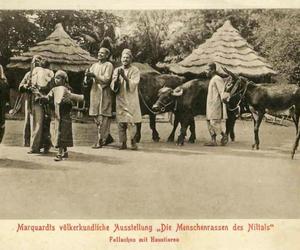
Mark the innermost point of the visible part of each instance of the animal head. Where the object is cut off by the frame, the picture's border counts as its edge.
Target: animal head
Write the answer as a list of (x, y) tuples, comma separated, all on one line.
[(233, 85), (166, 99)]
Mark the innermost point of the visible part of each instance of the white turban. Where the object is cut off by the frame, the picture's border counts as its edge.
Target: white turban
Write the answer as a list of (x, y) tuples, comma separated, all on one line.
[(105, 49), (127, 52)]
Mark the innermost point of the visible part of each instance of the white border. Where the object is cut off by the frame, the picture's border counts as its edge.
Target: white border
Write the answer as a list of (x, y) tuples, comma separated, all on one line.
[(147, 4)]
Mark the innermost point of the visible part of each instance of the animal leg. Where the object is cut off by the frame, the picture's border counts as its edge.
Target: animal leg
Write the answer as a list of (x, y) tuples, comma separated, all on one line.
[(295, 117), (155, 135), (232, 134), (192, 138), (2, 130), (296, 144), (184, 122), (230, 122), (137, 136), (257, 118), (175, 125)]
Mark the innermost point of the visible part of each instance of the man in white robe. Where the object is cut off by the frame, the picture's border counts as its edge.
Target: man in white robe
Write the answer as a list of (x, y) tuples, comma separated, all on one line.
[(101, 97), (125, 84), (215, 108)]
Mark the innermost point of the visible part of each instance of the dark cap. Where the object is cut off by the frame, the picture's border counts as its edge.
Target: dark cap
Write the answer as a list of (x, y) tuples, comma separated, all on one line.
[(212, 66)]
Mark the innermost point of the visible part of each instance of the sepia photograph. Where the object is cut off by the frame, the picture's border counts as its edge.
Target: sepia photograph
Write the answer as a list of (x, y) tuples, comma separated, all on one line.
[(149, 114)]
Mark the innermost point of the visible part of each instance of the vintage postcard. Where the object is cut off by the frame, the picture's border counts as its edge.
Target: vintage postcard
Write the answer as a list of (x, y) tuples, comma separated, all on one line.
[(149, 125)]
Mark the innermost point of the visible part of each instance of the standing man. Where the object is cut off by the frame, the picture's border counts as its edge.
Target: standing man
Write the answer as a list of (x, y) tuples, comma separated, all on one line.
[(3, 100), (215, 108), (38, 78), (24, 88), (125, 84), (101, 97)]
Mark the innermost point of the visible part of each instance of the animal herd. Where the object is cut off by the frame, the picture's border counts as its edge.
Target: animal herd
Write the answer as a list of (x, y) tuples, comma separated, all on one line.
[(159, 93)]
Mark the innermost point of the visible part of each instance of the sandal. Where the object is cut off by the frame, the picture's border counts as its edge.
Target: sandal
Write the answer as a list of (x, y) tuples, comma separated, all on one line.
[(58, 158)]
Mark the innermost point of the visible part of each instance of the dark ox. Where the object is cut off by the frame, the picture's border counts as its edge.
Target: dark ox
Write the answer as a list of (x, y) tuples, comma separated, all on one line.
[(263, 99), (149, 86), (187, 101)]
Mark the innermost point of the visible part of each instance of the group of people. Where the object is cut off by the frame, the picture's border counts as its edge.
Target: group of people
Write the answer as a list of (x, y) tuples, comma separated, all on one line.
[(123, 81), (43, 88)]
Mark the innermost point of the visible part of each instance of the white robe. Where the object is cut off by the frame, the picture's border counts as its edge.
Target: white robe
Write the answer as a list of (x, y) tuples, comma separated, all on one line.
[(100, 96), (127, 100), (215, 108)]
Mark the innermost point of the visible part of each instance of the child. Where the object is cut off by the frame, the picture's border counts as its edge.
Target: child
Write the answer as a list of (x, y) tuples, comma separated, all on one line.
[(62, 98)]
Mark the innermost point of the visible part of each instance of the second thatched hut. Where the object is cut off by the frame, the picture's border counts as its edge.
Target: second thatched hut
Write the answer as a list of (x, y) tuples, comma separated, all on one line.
[(227, 48)]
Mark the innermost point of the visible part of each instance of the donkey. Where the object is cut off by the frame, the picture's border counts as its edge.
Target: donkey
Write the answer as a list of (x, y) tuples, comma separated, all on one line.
[(263, 99)]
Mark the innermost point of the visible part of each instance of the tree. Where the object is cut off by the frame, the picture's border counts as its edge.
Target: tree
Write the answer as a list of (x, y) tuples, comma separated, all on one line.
[(143, 33), (277, 38), (21, 30), (199, 25), (17, 33), (88, 27)]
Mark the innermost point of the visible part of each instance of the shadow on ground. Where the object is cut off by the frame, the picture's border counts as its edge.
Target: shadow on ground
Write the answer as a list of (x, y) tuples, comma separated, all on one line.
[(81, 157), (17, 164)]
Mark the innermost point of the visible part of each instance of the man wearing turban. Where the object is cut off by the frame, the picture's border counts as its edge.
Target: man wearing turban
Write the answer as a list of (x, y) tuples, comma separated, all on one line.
[(125, 84), (101, 97)]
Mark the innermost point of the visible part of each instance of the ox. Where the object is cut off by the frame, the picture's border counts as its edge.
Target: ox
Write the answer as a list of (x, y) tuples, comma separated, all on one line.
[(149, 87), (187, 101)]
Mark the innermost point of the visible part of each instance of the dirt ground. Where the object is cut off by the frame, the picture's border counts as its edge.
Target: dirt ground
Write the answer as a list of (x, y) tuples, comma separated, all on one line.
[(161, 180)]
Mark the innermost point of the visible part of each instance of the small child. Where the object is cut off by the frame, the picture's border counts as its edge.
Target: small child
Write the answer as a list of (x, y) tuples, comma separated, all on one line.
[(62, 97)]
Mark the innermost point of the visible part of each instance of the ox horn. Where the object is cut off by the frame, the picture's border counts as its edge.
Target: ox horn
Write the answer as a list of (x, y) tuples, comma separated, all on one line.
[(177, 92)]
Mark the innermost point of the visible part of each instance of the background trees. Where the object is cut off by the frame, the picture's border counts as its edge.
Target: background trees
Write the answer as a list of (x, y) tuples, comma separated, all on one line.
[(155, 36)]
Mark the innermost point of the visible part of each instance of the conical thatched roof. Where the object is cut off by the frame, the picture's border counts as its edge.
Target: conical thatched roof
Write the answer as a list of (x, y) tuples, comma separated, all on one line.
[(145, 68), (60, 50), (226, 48)]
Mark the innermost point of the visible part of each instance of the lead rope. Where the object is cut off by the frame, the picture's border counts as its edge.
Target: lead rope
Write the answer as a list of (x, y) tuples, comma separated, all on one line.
[(143, 100)]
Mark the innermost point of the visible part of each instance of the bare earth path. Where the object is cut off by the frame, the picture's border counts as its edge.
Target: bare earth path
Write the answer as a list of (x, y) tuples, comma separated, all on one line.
[(160, 180)]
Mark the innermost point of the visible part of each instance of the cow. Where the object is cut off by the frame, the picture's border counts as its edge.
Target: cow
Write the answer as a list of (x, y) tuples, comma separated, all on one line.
[(187, 101)]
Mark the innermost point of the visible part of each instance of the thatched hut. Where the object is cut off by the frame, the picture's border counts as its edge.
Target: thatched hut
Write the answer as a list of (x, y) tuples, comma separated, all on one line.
[(61, 51), (226, 48)]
